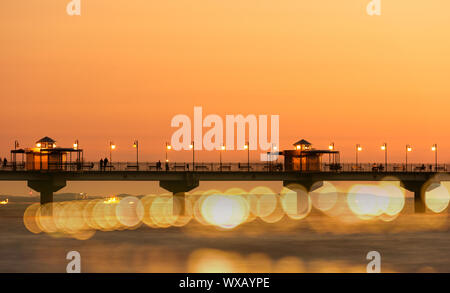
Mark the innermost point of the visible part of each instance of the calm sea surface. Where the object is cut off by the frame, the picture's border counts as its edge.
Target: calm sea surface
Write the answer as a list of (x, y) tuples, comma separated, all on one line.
[(316, 242)]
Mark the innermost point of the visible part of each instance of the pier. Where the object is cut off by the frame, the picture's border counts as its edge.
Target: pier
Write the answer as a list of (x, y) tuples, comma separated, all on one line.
[(178, 179), (47, 169)]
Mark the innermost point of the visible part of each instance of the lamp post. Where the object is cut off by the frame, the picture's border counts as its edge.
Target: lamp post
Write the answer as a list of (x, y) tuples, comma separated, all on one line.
[(75, 147), (112, 147), (247, 147), (384, 148), (192, 146), (434, 148), (16, 145), (357, 150), (299, 148), (168, 148), (222, 148), (408, 149), (136, 145), (331, 148)]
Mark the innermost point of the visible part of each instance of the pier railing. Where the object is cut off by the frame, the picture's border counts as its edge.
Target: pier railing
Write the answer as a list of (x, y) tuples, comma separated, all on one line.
[(227, 167)]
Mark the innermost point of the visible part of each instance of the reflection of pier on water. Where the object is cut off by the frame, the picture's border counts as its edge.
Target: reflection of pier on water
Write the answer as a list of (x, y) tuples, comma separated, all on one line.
[(360, 208)]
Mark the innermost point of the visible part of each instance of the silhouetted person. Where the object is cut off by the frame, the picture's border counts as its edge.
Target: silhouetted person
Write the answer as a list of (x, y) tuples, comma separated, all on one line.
[(5, 162), (187, 166), (374, 167), (101, 164), (158, 166), (167, 166), (105, 163), (431, 167)]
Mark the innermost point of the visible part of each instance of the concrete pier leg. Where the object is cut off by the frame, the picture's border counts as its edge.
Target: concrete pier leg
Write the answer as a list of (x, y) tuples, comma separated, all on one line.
[(180, 199), (46, 196), (46, 188), (419, 201), (309, 185), (179, 189), (303, 200), (419, 188)]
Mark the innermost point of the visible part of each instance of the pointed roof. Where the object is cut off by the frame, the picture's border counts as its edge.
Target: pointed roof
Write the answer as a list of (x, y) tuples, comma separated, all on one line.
[(303, 142), (46, 139)]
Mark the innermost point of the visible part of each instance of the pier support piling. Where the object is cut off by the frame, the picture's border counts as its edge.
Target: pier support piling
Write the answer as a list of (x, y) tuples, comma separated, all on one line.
[(179, 189), (180, 200), (419, 188), (302, 188), (309, 185), (46, 188)]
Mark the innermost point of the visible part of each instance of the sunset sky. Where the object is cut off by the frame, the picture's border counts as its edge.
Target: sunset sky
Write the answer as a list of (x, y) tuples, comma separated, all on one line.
[(124, 68)]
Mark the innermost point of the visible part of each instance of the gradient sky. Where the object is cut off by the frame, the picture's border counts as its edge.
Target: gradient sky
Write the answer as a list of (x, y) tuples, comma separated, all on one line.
[(124, 68)]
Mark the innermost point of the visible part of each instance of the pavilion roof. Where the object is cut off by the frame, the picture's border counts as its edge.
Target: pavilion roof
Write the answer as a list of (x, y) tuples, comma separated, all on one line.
[(46, 139), (302, 142)]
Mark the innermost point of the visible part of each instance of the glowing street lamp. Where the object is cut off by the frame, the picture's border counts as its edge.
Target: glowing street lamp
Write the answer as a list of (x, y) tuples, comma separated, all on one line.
[(136, 145), (192, 147), (16, 145), (384, 148), (247, 147), (331, 148), (434, 148), (408, 150), (38, 145), (222, 148), (75, 147), (112, 147), (358, 149), (168, 148)]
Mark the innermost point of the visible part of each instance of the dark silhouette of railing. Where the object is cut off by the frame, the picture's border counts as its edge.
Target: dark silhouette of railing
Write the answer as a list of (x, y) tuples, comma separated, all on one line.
[(226, 167)]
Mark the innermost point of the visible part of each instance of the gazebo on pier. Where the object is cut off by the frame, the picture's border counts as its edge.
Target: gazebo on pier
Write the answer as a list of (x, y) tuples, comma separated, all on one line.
[(47, 156), (305, 158)]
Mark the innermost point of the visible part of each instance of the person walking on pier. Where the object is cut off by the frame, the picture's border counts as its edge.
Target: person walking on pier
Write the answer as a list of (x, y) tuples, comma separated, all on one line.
[(105, 163), (167, 166), (159, 166), (101, 165), (5, 162)]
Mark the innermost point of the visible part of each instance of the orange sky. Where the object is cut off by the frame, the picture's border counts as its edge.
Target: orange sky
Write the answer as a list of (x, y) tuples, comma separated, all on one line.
[(123, 69)]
